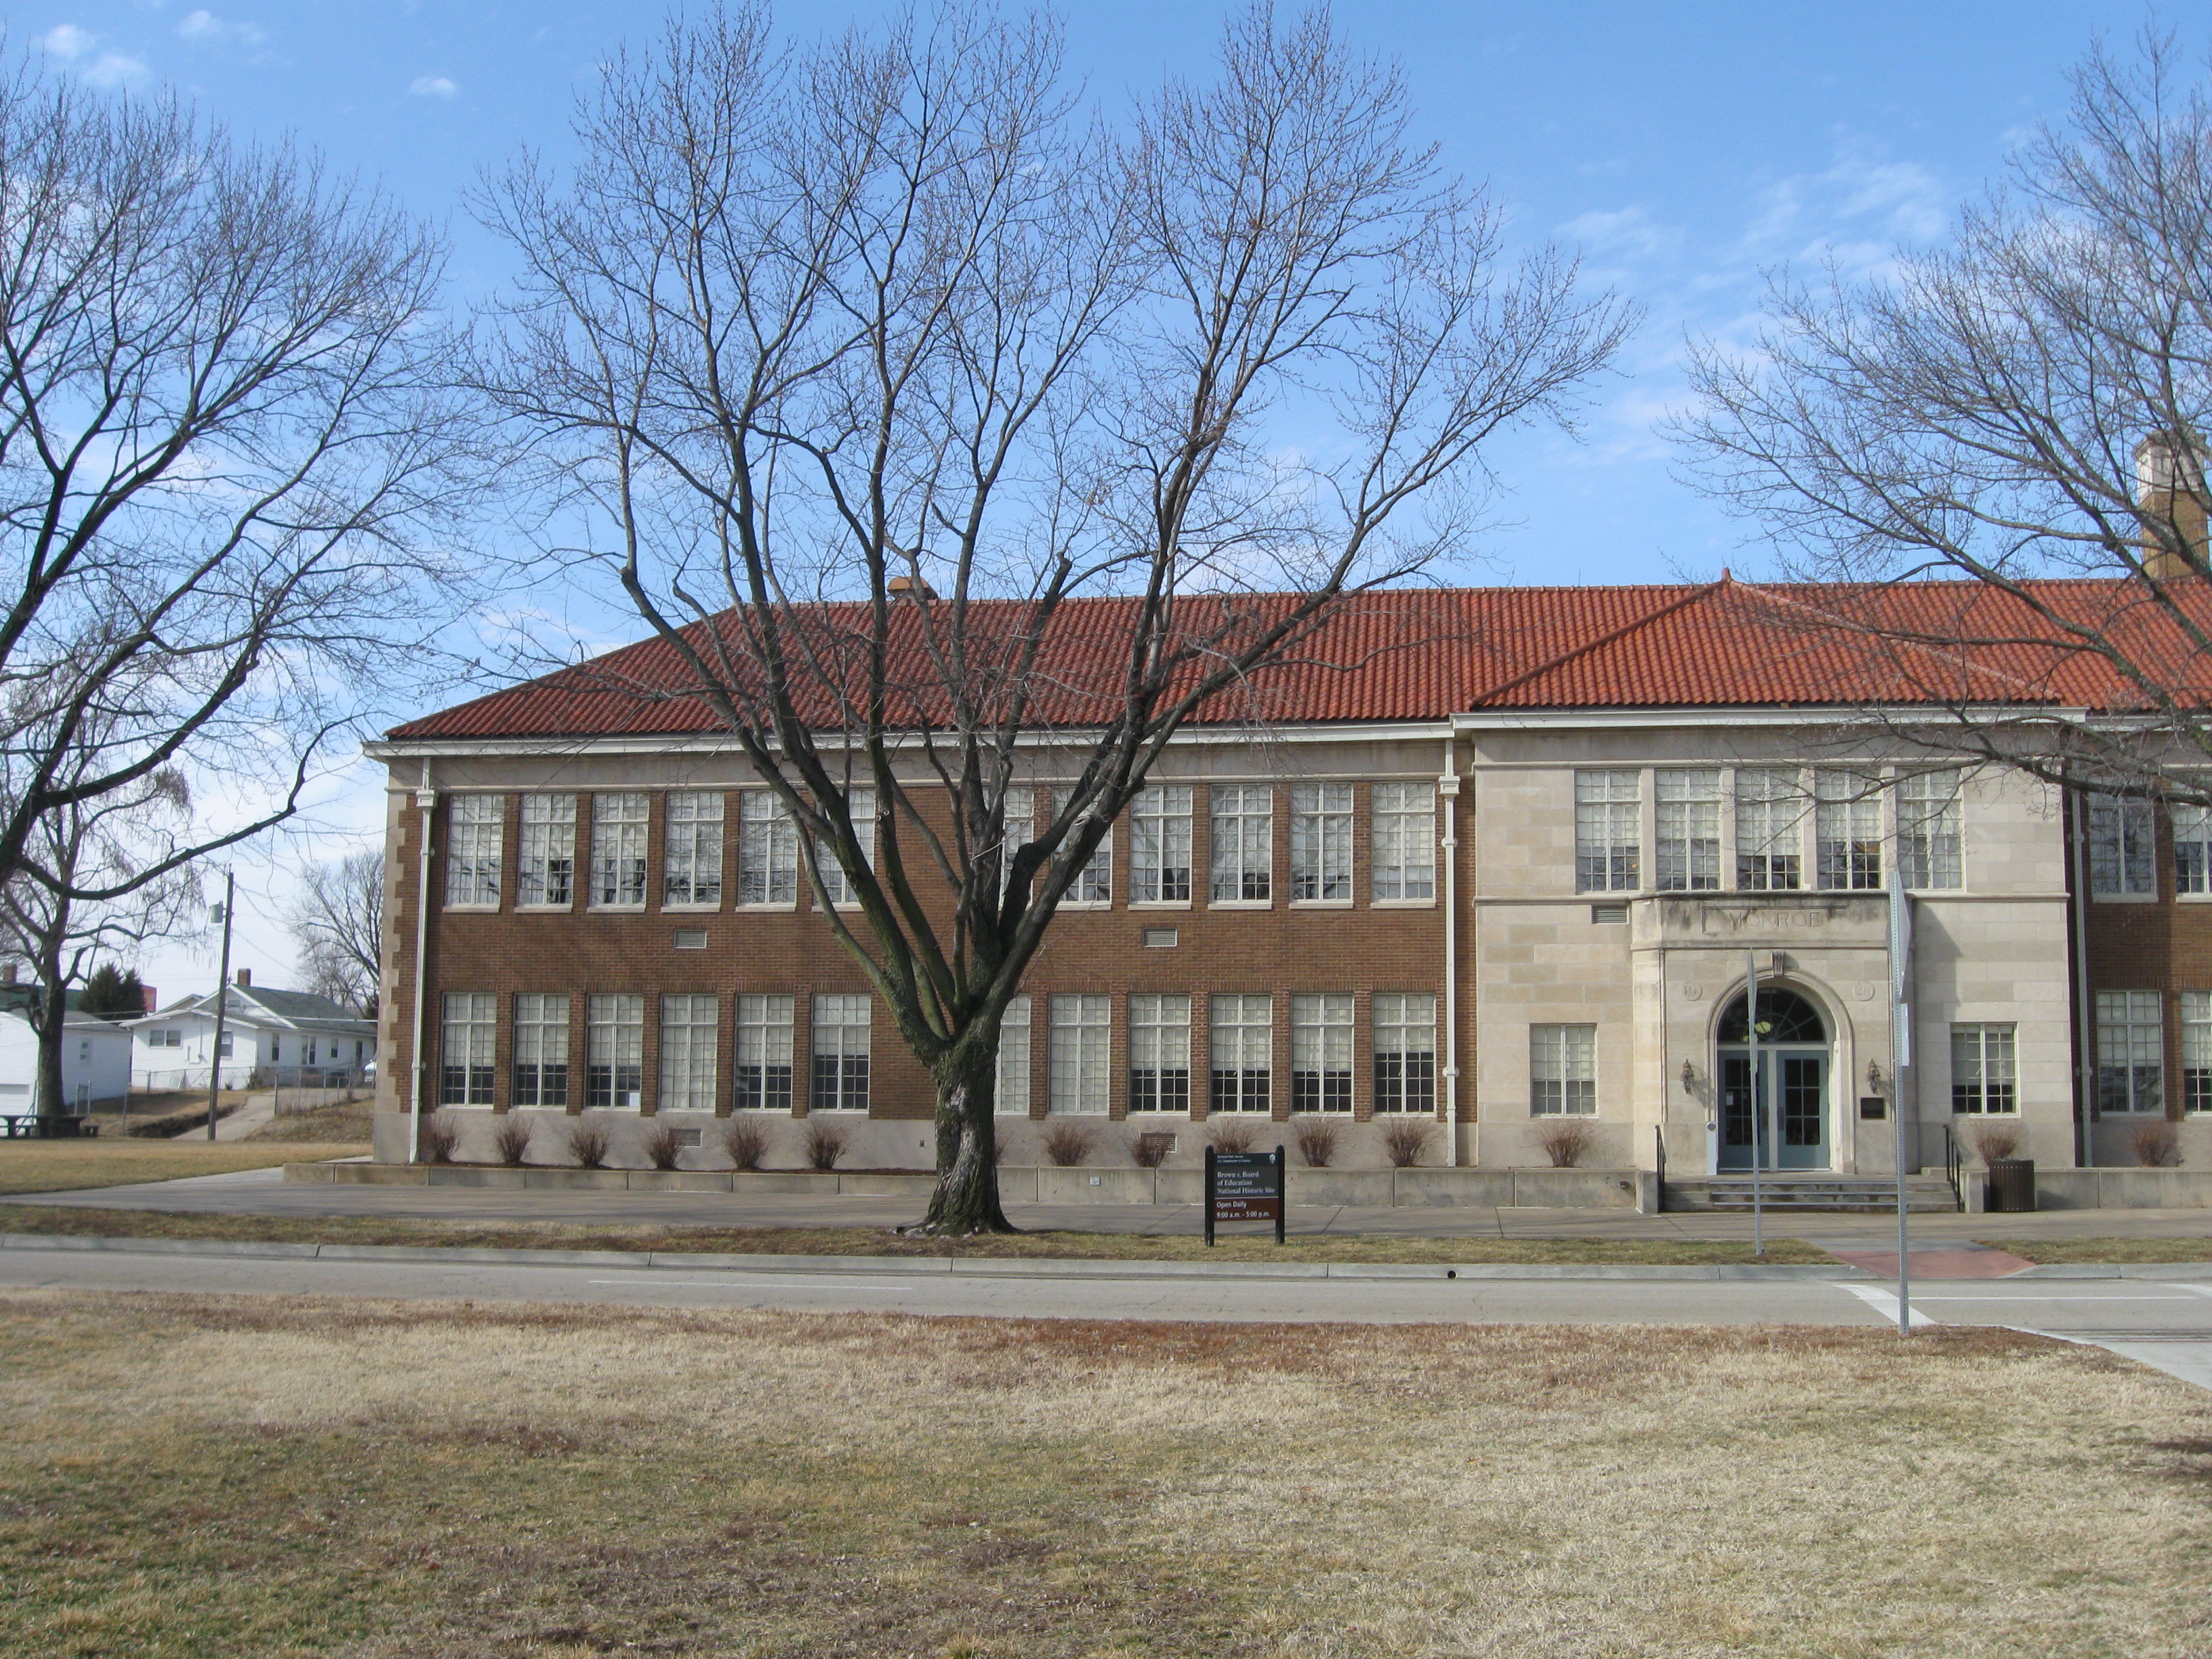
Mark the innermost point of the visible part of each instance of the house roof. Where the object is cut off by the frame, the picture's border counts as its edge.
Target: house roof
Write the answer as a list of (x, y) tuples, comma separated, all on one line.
[(258, 1005), (1429, 654)]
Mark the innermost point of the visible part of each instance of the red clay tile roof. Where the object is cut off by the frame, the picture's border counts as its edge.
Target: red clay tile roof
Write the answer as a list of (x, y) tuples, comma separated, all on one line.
[(1425, 654)]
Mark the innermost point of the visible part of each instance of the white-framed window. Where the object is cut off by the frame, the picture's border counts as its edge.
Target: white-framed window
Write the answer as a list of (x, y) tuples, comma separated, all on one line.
[(474, 825), (691, 857), (1982, 1073), (1406, 1051), (860, 804), (1321, 1051), (767, 849), (1607, 834), (1929, 829), (1082, 1032), (1562, 1071), (1847, 831), (1159, 1052), (1320, 842), (1017, 825), (689, 1024), (614, 1049), (466, 1053), (763, 1056), (2192, 849), (1094, 882), (2120, 842), (1689, 828), (1013, 1068), (618, 822), (1160, 845), (1769, 830), (549, 850), (1402, 847), (2130, 1052), (1243, 1057), (541, 1050), (1243, 844), (842, 1042), (2196, 1051)]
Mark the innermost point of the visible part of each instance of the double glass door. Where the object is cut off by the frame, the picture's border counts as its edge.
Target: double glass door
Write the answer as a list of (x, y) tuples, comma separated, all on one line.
[(1796, 1082)]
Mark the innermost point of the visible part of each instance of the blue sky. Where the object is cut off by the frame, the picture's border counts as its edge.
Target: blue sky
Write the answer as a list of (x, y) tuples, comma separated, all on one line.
[(1686, 147)]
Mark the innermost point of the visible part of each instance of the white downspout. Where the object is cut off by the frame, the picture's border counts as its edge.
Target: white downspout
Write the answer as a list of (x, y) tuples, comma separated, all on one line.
[(1448, 792), (427, 799)]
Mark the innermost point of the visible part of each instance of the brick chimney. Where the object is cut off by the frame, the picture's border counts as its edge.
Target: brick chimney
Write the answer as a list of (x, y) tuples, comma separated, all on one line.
[(153, 1002), (2162, 492), (245, 978)]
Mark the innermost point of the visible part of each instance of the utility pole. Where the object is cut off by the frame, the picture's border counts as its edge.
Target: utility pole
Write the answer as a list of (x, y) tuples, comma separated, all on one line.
[(221, 998), (1757, 1120)]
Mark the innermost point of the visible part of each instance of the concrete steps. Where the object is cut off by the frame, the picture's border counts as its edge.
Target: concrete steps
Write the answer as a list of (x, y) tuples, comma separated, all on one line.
[(1815, 1193)]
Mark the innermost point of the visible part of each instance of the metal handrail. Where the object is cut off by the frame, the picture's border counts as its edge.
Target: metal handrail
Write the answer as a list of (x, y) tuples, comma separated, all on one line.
[(1660, 1134), (1954, 1166)]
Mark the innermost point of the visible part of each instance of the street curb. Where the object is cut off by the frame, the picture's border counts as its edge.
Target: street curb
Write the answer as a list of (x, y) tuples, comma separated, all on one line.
[(981, 1268)]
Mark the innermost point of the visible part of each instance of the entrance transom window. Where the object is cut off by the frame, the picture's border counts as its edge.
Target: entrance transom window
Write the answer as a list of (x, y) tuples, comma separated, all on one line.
[(1783, 1125)]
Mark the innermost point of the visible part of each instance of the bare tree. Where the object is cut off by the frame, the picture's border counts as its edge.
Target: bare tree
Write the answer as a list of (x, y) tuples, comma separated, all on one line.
[(336, 920), (226, 466), (858, 368), (2031, 402)]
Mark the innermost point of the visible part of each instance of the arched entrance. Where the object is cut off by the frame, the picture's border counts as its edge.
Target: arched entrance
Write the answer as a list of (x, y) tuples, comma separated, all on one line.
[(1793, 1077)]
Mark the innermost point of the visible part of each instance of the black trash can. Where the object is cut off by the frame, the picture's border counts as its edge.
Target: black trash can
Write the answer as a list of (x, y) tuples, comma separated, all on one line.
[(2012, 1186)]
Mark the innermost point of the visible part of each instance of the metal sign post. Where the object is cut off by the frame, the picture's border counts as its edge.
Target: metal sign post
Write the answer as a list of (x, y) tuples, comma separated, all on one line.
[(1758, 1117), (221, 1000), (1901, 1056)]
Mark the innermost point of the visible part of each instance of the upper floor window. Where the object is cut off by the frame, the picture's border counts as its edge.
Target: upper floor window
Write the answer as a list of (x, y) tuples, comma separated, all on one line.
[(1094, 882), (1320, 841), (1689, 830), (473, 827), (1769, 818), (768, 850), (836, 881), (549, 850), (691, 858), (2130, 1052), (1982, 1069), (1017, 825), (1403, 850), (2120, 841), (1159, 1052), (1159, 844), (1082, 1029), (2192, 849), (1607, 835), (1847, 830), (1321, 1051), (1244, 843), (1927, 830), (618, 849)]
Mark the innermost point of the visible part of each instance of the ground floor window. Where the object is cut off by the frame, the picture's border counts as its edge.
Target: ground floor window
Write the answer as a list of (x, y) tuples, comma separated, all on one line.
[(1404, 1051), (1159, 1052), (471, 1031), (541, 1050), (841, 1053), (1082, 1028), (1982, 1080), (1013, 1077), (2130, 1052), (2196, 1051), (1321, 1051), (614, 1049), (689, 1028), (1243, 1053), (764, 1058), (1563, 1070)]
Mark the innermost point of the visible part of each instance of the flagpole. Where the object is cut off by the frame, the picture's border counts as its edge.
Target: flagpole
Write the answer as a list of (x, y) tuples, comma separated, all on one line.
[(1757, 1120), (1901, 1056)]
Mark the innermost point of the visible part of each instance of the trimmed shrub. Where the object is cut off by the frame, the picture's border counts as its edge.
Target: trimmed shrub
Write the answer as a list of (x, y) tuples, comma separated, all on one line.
[(511, 1140), (1068, 1144), (662, 1145), (441, 1135), (2155, 1144), (1230, 1136), (825, 1144), (1317, 1144), (589, 1143), (746, 1141), (1405, 1140), (1997, 1141), (1150, 1149), (1567, 1144)]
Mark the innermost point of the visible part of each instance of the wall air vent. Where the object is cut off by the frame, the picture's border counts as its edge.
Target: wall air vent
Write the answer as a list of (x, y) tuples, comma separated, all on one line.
[(1609, 913), (691, 939), (1160, 939)]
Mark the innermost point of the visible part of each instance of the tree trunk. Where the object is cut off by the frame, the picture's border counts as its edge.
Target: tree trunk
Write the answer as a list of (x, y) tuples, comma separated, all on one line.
[(967, 1196), (51, 1020)]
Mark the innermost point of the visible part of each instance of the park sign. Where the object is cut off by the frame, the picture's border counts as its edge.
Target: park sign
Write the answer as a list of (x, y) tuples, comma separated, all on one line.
[(1244, 1187)]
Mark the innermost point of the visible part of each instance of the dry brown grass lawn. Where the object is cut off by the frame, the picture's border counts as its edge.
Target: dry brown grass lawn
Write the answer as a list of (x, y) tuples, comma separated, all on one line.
[(381, 1479), (878, 1240), (346, 1122), (54, 1166), (2108, 1249)]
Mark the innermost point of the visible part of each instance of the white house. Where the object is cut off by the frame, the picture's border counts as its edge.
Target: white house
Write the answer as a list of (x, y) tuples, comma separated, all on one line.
[(263, 1032), (95, 1063)]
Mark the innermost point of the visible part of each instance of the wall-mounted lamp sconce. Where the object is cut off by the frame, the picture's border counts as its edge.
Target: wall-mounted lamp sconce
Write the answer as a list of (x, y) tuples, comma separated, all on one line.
[(1874, 1078), (1689, 1078)]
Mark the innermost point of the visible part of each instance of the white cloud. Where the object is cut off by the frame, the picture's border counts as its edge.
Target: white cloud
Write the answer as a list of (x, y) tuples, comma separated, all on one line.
[(1629, 232), (112, 68), (68, 42), (206, 25), (433, 86)]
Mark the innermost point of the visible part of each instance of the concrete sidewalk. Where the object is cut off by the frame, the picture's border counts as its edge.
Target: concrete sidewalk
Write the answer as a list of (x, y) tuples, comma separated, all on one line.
[(265, 1192)]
